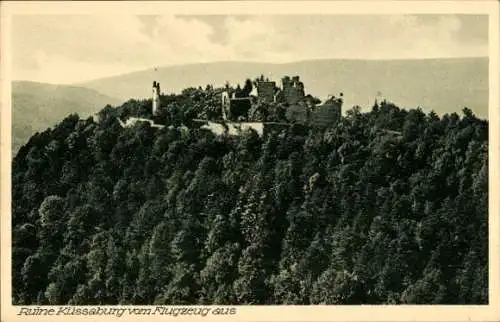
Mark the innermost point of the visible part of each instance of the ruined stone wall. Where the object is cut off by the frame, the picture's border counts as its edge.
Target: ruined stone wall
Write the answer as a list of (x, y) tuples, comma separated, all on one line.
[(326, 114), (293, 95), (265, 90), (293, 90)]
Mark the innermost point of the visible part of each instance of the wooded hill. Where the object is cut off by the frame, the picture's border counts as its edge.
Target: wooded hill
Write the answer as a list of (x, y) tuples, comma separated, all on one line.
[(387, 206), (37, 106)]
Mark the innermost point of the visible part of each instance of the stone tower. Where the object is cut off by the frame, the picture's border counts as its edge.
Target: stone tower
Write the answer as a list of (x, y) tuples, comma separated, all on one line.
[(226, 105), (156, 97)]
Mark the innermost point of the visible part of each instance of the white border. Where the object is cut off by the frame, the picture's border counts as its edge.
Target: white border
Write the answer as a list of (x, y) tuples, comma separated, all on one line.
[(274, 313)]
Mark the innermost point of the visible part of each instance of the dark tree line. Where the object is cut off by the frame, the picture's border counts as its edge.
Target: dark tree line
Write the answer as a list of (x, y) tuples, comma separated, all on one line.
[(388, 206)]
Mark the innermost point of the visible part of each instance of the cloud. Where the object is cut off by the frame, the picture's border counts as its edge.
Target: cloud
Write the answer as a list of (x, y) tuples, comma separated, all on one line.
[(362, 37), (181, 41), (64, 48), (59, 69)]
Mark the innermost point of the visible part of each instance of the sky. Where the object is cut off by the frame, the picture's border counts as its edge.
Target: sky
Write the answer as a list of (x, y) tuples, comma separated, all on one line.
[(63, 49)]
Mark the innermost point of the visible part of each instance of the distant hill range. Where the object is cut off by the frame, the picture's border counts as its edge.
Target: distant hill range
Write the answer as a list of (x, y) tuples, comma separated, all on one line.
[(38, 106), (443, 85)]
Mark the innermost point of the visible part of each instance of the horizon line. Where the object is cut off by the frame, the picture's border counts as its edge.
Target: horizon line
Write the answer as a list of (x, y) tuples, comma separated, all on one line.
[(79, 83)]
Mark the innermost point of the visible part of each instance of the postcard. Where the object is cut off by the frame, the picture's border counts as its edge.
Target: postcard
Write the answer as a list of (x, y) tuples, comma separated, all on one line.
[(250, 160)]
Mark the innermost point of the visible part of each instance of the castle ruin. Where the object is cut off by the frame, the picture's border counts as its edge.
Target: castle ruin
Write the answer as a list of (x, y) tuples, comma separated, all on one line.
[(298, 106), (239, 105)]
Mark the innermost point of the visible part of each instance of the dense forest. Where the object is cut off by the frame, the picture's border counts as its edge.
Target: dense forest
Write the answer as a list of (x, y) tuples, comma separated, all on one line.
[(388, 206)]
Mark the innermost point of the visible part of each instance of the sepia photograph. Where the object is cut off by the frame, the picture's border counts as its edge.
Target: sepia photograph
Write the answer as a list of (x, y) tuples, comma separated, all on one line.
[(260, 158)]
